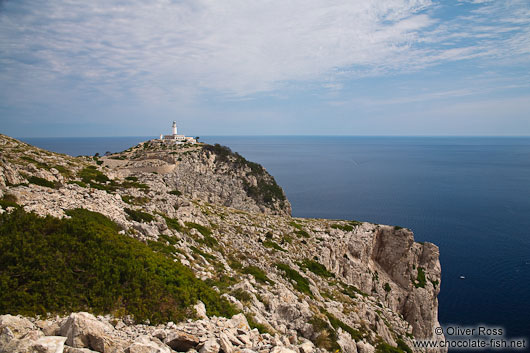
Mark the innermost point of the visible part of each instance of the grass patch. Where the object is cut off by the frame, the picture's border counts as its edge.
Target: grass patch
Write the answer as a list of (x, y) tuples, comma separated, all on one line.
[(173, 224), (241, 295), (255, 325), (327, 336), (91, 267), (352, 291), (79, 183), (300, 283), (316, 267), (41, 181), (273, 245), (206, 232), (91, 174), (343, 227), (139, 216), (336, 323), (384, 347), (258, 274)]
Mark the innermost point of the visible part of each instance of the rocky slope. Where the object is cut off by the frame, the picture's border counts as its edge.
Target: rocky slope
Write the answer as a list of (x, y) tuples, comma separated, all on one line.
[(344, 285)]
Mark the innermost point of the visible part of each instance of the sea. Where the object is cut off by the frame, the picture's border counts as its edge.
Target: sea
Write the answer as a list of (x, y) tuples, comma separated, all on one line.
[(468, 195)]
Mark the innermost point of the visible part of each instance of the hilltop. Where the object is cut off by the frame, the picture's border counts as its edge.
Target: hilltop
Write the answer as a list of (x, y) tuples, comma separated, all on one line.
[(206, 227)]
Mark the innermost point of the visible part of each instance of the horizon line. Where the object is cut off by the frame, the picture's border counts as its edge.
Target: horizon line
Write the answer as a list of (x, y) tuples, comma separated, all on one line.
[(275, 135)]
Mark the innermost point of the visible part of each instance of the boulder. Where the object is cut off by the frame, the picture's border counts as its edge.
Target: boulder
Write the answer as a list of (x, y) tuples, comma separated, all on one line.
[(181, 341), (239, 321), (83, 330), (307, 347), (18, 325), (50, 344), (146, 344), (210, 346), (225, 343), (200, 309)]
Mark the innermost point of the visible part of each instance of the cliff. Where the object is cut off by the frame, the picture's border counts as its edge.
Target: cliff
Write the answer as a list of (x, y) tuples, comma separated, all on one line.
[(306, 284)]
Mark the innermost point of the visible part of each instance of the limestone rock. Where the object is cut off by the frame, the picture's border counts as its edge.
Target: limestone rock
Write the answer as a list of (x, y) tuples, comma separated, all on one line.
[(50, 344), (181, 341), (18, 325), (146, 344), (210, 346), (83, 330)]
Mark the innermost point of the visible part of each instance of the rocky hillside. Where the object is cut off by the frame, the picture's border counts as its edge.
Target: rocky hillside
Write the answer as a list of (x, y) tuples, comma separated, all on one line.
[(305, 284)]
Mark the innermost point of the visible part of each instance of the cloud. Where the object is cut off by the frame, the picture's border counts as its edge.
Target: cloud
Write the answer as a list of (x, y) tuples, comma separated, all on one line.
[(179, 49)]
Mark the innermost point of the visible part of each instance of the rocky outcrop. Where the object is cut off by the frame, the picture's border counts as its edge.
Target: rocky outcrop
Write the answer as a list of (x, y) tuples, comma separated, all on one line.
[(210, 173), (307, 284)]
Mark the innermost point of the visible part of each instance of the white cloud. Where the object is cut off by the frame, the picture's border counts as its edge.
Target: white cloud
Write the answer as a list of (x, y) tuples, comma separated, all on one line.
[(165, 48)]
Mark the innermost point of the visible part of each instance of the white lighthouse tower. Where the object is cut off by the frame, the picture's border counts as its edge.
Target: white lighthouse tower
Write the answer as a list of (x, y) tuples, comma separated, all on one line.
[(174, 128)]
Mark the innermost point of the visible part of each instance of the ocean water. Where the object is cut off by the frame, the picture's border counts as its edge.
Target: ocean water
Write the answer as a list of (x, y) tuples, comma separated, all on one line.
[(468, 195)]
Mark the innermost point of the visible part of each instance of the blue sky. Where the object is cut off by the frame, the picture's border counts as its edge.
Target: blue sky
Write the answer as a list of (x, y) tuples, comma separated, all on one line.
[(239, 67)]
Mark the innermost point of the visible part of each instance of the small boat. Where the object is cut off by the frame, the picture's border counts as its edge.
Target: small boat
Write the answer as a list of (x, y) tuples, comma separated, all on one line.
[(462, 277)]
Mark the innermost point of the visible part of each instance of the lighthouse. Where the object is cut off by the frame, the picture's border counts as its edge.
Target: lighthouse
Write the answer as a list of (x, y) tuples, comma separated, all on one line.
[(174, 138)]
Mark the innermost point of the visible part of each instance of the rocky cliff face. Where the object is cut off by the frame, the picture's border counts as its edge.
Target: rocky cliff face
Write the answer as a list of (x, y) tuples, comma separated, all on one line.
[(345, 285)]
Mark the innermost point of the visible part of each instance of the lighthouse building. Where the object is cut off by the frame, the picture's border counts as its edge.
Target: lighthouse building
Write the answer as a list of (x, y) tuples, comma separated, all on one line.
[(175, 138)]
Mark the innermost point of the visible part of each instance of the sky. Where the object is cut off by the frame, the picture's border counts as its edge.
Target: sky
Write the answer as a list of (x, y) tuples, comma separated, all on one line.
[(264, 67)]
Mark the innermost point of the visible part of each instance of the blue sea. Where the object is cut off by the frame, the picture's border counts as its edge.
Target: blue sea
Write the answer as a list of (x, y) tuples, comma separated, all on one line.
[(468, 195)]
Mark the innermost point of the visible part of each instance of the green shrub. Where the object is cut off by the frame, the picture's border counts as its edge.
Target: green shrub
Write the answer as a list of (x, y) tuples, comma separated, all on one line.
[(336, 323), (273, 245), (202, 229), (173, 224), (242, 295), (387, 287), (258, 274), (40, 181), (403, 346), (254, 325), (343, 227), (9, 201), (316, 267), (77, 182), (300, 283), (50, 265), (326, 337), (206, 232), (351, 291), (420, 279), (90, 174), (384, 347), (139, 216)]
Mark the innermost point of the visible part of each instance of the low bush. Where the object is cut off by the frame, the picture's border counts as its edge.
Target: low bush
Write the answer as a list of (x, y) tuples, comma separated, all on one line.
[(421, 281), (300, 283), (316, 267), (139, 216), (50, 265), (40, 181), (258, 274), (273, 245)]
